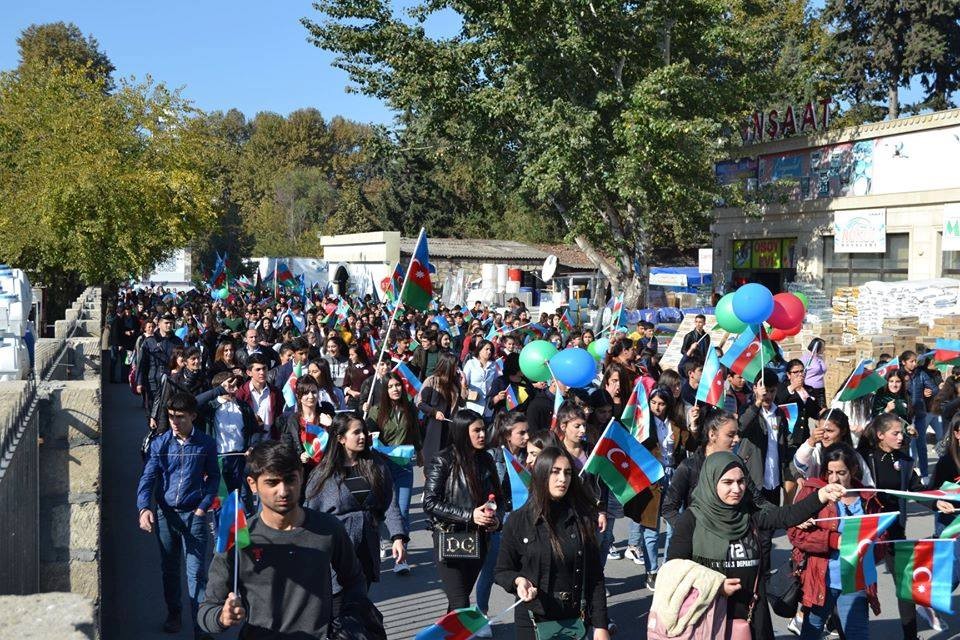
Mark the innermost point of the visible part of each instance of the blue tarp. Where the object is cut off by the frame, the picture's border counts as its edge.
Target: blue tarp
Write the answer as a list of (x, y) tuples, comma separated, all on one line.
[(694, 277)]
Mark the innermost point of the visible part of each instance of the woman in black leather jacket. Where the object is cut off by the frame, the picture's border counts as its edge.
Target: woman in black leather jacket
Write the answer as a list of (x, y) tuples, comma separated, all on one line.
[(458, 482)]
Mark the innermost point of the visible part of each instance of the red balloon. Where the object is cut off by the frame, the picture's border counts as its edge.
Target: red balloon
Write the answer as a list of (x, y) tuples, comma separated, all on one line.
[(788, 311), (776, 334), (792, 331)]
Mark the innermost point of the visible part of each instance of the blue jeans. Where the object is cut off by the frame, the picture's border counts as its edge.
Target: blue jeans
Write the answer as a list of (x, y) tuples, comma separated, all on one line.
[(651, 535), (606, 541), (485, 581), (179, 533), (402, 487), (851, 609)]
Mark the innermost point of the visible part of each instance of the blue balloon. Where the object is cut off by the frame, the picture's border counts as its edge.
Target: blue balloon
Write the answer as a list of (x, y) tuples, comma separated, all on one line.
[(603, 345), (753, 303), (574, 367)]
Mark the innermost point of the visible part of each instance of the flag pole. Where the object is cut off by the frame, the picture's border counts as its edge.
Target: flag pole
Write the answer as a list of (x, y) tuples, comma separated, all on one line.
[(236, 545), (837, 395), (275, 291), (760, 338), (393, 317), (593, 453)]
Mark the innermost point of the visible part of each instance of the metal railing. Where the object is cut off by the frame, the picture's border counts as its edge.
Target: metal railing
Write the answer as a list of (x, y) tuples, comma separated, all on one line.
[(20, 487)]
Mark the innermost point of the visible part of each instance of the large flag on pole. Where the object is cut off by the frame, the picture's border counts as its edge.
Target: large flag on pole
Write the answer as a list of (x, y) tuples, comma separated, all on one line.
[(947, 351), (417, 291), (623, 463)]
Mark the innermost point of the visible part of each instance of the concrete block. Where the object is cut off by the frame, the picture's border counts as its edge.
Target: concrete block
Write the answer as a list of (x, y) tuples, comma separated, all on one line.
[(55, 576), (75, 412), (89, 328), (69, 470), (62, 328), (44, 616), (75, 526), (71, 315), (85, 358)]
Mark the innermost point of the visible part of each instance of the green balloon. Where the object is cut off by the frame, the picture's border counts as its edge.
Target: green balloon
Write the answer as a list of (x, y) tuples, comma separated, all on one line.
[(803, 299), (592, 350), (534, 359), (726, 318)]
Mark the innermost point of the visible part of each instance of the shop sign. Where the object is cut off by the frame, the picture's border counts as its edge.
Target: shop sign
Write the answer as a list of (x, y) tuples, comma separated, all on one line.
[(766, 254), (741, 254), (705, 262), (668, 279), (784, 122), (860, 231), (951, 227)]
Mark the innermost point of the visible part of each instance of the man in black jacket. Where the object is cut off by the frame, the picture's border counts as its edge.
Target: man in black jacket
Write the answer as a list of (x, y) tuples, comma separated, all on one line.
[(696, 342), (155, 359)]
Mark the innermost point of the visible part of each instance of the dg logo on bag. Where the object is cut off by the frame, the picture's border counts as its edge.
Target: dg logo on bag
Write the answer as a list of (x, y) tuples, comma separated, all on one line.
[(464, 545)]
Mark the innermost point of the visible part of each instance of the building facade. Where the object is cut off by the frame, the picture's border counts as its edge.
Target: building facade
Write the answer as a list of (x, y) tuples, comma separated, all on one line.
[(876, 202)]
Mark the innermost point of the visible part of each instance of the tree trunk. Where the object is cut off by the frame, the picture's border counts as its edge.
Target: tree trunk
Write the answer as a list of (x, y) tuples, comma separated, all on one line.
[(893, 102)]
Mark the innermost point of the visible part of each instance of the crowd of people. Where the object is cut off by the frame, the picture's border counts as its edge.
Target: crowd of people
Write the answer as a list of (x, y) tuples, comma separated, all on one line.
[(212, 377)]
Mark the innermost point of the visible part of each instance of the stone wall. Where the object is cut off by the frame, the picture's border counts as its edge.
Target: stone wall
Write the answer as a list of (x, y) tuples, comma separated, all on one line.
[(65, 471)]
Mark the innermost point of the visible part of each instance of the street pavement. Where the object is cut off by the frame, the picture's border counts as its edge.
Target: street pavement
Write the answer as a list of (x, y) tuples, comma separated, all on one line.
[(133, 608)]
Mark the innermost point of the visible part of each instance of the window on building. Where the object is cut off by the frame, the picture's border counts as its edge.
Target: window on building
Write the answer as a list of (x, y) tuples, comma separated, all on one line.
[(854, 269), (950, 266)]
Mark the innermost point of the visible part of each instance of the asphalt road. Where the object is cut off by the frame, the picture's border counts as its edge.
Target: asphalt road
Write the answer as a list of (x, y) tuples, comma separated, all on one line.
[(133, 608)]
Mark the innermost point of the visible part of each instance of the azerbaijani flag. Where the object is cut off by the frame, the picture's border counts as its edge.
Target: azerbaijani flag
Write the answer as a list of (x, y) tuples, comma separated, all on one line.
[(446, 327), (182, 332), (885, 369), (861, 382), (459, 624), (467, 316), (492, 333), (636, 413), (511, 399), (792, 413), (519, 479), (411, 383), (711, 389), (222, 492), (565, 324), (857, 535), (623, 463), (396, 283), (315, 441), (617, 312), (233, 525), (952, 530), (923, 572), (948, 491), (947, 351), (498, 366), (285, 277), (557, 403), (417, 292), (290, 386), (748, 353), (400, 454)]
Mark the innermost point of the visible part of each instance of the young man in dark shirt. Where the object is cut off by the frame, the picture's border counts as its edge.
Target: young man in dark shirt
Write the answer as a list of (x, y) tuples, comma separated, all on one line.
[(284, 579)]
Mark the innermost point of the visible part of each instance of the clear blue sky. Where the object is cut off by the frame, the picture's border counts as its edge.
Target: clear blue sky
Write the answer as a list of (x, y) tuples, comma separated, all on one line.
[(248, 54)]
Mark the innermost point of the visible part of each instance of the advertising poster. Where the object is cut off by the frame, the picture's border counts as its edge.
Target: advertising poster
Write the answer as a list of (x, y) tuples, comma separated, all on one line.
[(860, 231)]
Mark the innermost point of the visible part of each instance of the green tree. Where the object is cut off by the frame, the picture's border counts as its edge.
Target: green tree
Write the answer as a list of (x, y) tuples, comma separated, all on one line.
[(609, 112), (934, 50), (58, 45), (102, 186)]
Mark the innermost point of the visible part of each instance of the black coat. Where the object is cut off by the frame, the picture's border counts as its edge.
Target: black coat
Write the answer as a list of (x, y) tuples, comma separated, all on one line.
[(525, 551), (154, 359), (446, 496), (754, 441), (766, 518), (808, 410)]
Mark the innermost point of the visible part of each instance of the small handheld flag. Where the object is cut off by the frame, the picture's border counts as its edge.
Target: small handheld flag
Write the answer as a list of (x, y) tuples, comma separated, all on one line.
[(748, 353), (411, 383), (417, 290), (290, 386), (792, 413), (222, 492), (710, 389), (636, 413), (923, 572), (400, 454), (557, 403), (861, 382), (947, 351), (857, 568), (233, 525), (315, 441), (519, 479), (459, 624), (511, 399), (623, 463)]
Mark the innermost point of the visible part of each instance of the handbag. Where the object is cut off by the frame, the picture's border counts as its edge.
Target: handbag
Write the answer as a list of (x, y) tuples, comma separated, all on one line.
[(567, 628), (784, 590), (460, 545)]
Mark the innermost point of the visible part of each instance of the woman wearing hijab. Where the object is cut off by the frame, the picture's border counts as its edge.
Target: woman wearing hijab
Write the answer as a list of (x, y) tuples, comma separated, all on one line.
[(719, 531)]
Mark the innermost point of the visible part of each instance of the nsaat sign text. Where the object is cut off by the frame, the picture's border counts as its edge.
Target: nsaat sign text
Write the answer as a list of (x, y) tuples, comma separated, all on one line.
[(789, 121)]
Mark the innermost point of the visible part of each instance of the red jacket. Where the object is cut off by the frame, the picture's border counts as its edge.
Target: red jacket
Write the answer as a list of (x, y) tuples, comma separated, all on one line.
[(815, 545)]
